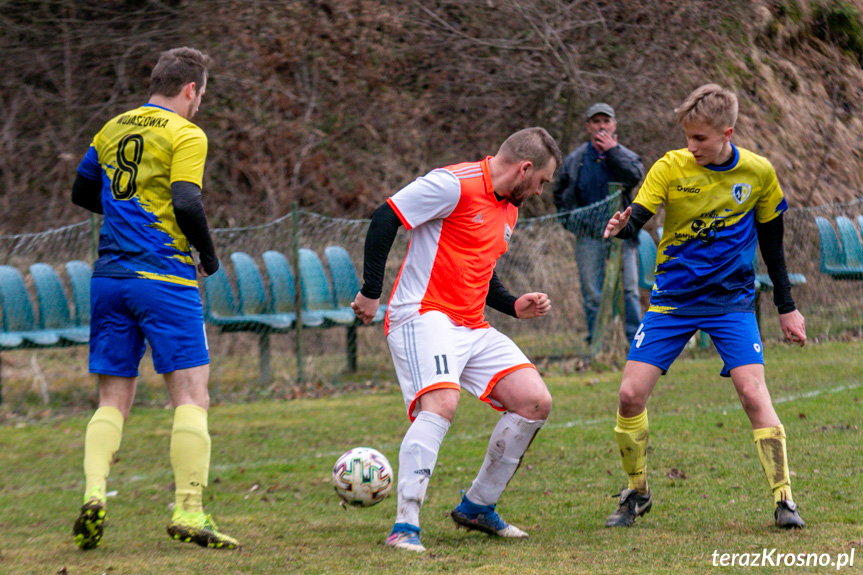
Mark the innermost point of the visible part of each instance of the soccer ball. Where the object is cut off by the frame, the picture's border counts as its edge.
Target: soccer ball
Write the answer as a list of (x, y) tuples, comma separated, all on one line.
[(362, 477)]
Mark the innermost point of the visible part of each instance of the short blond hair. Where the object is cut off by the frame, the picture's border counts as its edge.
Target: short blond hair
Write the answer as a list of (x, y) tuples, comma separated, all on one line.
[(710, 104)]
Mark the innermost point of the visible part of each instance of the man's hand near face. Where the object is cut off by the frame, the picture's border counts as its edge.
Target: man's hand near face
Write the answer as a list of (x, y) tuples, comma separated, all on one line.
[(603, 141)]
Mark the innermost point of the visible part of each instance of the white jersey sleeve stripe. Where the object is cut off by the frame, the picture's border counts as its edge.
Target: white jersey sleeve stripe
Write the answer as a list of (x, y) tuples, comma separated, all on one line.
[(433, 196), (469, 172)]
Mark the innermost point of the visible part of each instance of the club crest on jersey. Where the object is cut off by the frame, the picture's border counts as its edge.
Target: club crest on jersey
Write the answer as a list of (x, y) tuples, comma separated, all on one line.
[(507, 233), (741, 192)]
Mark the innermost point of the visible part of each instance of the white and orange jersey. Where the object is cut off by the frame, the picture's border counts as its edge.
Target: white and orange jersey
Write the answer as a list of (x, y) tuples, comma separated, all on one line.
[(459, 229)]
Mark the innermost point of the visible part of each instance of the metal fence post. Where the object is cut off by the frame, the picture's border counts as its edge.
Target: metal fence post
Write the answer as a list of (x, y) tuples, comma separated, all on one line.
[(295, 219), (94, 237)]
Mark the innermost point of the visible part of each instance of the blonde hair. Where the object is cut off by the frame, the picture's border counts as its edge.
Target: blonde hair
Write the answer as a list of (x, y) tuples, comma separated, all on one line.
[(710, 104)]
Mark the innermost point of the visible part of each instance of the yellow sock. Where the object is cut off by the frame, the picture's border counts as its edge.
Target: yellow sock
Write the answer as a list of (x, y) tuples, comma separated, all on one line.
[(631, 435), (101, 443), (770, 443), (190, 457)]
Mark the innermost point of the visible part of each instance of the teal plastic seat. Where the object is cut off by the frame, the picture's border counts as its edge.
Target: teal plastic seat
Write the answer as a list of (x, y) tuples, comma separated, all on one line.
[(18, 319), (283, 288), (253, 296), (833, 258), (219, 302), (221, 307), (250, 286), (54, 306), (646, 260), (346, 284), (80, 273), (317, 296), (850, 242)]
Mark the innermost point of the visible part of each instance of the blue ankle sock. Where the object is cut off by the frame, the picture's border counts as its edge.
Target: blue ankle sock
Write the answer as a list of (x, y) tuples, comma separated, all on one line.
[(468, 507), (405, 527)]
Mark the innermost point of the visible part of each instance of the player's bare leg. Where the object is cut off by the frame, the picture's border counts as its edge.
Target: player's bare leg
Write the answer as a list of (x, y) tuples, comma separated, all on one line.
[(631, 431), (528, 403), (769, 437)]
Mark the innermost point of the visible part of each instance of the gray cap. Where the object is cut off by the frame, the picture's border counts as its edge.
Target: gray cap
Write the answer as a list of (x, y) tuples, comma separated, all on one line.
[(599, 109)]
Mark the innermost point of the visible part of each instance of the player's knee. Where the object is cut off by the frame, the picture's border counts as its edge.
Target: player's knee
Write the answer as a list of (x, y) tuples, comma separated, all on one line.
[(443, 402), (204, 402), (632, 398), (752, 399), (753, 393), (542, 406), (536, 408)]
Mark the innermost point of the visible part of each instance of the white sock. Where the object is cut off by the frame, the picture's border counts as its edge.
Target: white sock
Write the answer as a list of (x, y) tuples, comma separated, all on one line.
[(509, 441), (417, 458)]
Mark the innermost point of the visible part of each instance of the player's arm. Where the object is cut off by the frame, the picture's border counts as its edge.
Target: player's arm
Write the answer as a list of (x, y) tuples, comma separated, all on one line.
[(192, 221), (87, 193), (382, 232), (529, 305), (770, 239), (87, 188), (626, 225), (499, 298)]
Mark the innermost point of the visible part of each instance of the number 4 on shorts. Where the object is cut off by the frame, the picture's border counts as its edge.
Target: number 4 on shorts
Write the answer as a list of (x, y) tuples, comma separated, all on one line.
[(639, 336)]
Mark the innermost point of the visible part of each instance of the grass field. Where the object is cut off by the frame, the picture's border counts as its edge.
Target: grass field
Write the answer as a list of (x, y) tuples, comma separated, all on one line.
[(270, 482)]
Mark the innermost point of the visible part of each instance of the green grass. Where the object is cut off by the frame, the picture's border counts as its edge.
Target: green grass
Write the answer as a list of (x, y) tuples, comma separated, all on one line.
[(270, 481)]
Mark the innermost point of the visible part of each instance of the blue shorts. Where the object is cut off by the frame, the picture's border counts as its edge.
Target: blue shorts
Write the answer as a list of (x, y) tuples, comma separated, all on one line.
[(661, 337), (124, 312)]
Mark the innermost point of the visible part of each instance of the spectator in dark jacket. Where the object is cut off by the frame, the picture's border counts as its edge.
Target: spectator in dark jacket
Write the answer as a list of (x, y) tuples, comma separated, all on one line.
[(582, 181)]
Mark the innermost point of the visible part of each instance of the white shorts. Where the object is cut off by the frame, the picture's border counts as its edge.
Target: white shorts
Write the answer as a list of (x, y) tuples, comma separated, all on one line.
[(433, 352)]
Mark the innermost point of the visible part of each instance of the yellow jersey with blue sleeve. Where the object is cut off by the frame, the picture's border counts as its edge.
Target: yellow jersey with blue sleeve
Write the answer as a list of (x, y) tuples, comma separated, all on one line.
[(137, 156), (705, 256)]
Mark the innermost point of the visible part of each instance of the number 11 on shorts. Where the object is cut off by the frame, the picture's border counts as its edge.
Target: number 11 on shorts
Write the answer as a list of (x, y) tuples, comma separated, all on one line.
[(437, 362)]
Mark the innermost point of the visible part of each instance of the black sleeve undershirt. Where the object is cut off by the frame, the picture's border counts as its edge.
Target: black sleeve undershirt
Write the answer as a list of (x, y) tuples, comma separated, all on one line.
[(379, 240), (499, 297), (87, 193), (382, 232), (192, 221), (637, 219), (770, 236)]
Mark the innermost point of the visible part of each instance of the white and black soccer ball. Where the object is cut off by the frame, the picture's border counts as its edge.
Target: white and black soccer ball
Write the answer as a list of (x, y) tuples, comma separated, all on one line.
[(362, 477)]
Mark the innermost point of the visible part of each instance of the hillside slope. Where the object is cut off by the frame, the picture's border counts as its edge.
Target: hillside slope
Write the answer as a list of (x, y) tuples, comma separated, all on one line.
[(336, 104)]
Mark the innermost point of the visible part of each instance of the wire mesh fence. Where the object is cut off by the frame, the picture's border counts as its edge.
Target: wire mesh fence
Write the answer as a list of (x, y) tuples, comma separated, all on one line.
[(540, 258)]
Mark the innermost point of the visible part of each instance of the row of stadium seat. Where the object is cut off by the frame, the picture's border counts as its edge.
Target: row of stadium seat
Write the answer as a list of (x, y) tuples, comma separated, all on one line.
[(842, 255), (259, 307), (270, 307), (58, 324)]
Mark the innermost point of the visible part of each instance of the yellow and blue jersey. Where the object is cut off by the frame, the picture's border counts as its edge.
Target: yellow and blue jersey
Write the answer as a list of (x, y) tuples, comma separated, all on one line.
[(704, 260), (137, 156)]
